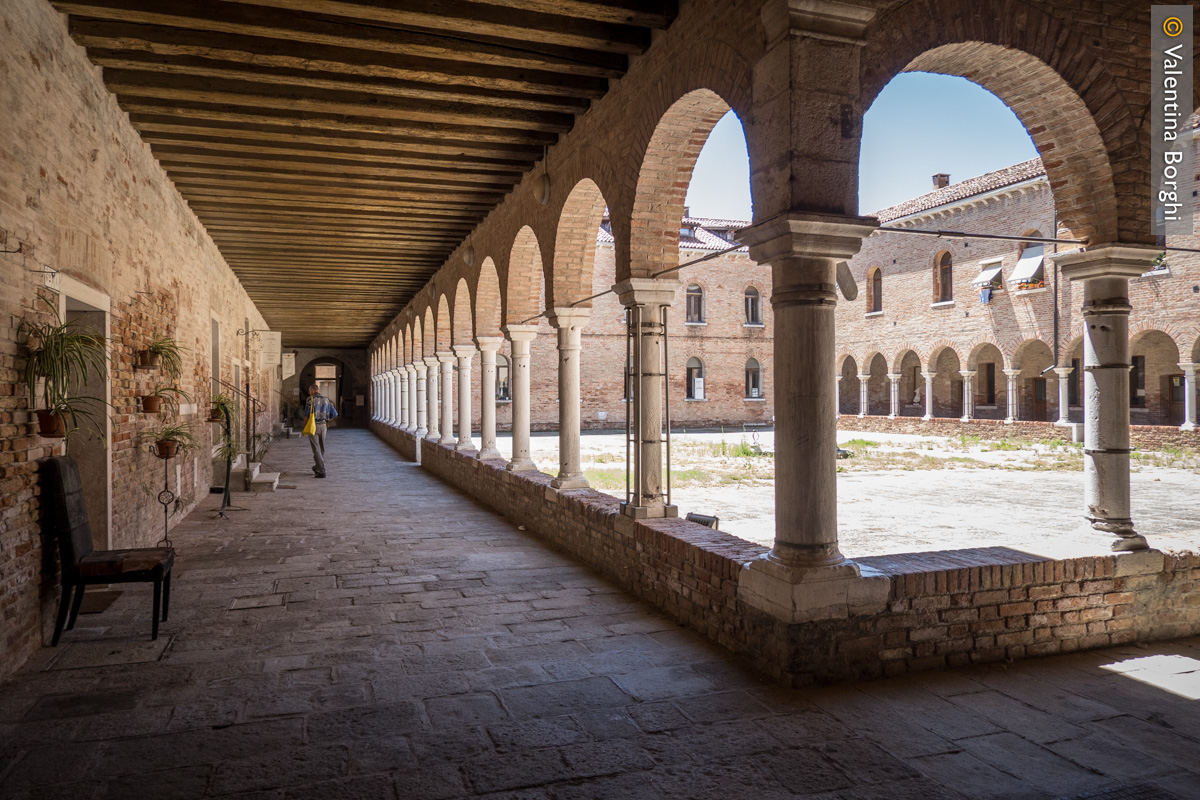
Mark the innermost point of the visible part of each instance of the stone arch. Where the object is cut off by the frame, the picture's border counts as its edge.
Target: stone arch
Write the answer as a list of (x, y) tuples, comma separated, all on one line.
[(575, 245), (1055, 83), (848, 393), (662, 183), (461, 315), (445, 326), (523, 287), (487, 300)]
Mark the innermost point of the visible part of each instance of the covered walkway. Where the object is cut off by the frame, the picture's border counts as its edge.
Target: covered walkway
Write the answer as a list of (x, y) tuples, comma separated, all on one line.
[(379, 635)]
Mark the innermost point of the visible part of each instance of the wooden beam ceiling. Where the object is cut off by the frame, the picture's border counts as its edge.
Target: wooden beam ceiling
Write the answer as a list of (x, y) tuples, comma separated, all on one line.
[(337, 151)]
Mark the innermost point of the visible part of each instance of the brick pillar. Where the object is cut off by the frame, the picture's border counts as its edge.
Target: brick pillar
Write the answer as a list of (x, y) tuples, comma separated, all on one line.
[(488, 346), (864, 395), (1189, 396), (928, 376), (894, 381), (464, 353), (1014, 395), (645, 298), (520, 337), (1064, 394), (447, 397), (1105, 272), (570, 323), (421, 399), (968, 376), (432, 418)]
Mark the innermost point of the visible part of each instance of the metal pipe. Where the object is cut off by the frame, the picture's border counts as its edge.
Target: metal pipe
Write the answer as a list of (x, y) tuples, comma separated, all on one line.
[(625, 368), (964, 235), (667, 396)]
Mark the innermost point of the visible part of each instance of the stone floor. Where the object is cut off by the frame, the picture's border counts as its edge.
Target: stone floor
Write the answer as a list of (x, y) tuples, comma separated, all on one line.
[(377, 635)]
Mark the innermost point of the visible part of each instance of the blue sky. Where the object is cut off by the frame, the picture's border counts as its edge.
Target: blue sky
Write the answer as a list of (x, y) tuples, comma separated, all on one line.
[(920, 124)]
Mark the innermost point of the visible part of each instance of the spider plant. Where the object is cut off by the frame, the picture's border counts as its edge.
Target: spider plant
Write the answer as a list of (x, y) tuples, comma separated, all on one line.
[(170, 439), (153, 400), (62, 355), (163, 351), (220, 402)]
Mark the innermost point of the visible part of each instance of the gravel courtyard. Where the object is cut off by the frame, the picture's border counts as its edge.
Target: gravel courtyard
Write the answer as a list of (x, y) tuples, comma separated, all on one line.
[(902, 493)]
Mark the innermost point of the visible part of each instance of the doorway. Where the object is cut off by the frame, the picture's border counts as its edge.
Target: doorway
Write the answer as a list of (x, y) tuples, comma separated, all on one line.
[(1039, 399)]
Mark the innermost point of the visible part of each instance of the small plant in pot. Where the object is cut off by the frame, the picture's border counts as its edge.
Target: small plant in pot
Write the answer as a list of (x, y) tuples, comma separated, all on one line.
[(164, 352), (152, 401), (62, 356), (220, 402), (170, 440)]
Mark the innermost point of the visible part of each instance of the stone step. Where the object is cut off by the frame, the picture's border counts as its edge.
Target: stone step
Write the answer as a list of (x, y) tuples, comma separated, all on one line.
[(265, 482)]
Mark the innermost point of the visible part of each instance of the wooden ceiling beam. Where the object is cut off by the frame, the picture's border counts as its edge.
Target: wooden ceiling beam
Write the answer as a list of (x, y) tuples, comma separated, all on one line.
[(329, 193), (655, 14), (359, 179)]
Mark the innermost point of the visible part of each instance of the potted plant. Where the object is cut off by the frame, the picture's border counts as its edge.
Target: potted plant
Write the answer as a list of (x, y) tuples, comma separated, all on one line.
[(169, 440), (220, 402), (162, 351), (62, 355), (152, 402)]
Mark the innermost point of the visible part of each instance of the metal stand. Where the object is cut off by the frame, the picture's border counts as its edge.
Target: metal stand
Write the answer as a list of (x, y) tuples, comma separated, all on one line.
[(166, 497), (228, 469)]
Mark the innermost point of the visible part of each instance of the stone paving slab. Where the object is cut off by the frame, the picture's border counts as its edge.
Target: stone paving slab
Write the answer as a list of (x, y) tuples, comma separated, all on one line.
[(378, 635)]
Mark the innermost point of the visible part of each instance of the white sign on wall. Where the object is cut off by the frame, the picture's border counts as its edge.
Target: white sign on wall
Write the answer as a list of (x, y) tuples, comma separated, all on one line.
[(289, 365), (272, 347)]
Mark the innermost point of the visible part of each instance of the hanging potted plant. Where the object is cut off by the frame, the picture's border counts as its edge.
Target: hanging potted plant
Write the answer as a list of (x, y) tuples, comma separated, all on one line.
[(220, 402), (152, 402), (162, 351), (62, 355), (170, 440)]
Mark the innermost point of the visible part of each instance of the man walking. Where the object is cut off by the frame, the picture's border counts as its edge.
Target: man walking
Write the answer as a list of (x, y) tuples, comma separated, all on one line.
[(319, 406)]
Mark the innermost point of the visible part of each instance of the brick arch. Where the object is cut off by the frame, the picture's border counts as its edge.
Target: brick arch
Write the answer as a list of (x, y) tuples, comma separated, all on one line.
[(841, 362), (523, 280), (429, 329), (898, 359), (445, 326), (417, 345), (575, 245), (1195, 348), (461, 314), (1029, 350), (662, 183), (935, 354), (1139, 331), (1040, 67), (868, 358), (487, 300), (979, 348)]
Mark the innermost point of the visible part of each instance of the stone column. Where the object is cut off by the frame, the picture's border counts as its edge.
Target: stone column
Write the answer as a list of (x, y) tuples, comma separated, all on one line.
[(397, 384), (968, 376), (570, 323), (864, 395), (432, 420), (928, 376), (1064, 394), (1014, 396), (520, 336), (488, 346), (414, 404), (447, 397), (894, 380), (387, 397), (421, 399), (837, 394), (1189, 396), (1105, 271), (648, 297), (464, 353), (374, 396), (402, 422), (803, 250)]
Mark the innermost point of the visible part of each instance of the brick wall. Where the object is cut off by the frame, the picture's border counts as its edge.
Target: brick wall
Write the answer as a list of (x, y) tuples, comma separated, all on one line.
[(944, 609), (81, 192)]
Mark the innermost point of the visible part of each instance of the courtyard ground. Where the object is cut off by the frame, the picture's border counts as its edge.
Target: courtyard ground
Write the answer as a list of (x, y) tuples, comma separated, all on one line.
[(378, 636), (900, 493)]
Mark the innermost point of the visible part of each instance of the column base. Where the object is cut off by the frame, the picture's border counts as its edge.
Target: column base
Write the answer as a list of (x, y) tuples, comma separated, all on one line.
[(489, 454), (570, 482), (450, 441), (964, 419), (1127, 538), (1188, 426), (524, 465), (804, 594), (650, 512), (464, 446), (420, 433), (926, 418)]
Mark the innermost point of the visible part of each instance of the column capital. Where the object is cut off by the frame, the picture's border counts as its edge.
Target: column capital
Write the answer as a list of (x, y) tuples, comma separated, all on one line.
[(410, 368), (967, 373), (464, 350), (928, 375), (520, 333), (1189, 369), (419, 368), (893, 377), (803, 233), (430, 361), (1012, 373), (1062, 372), (1106, 261), (647, 291), (445, 356), (569, 317), (489, 344)]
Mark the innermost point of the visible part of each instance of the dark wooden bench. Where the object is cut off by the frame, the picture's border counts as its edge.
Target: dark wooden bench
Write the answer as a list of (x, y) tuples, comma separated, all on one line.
[(64, 516)]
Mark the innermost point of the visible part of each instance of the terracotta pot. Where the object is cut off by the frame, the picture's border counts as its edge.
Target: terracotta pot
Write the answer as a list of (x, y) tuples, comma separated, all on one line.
[(215, 414), (166, 448), (151, 403), (147, 358), (51, 425)]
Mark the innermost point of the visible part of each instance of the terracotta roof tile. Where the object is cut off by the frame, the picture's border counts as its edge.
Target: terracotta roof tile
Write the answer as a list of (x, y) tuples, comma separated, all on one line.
[(964, 189)]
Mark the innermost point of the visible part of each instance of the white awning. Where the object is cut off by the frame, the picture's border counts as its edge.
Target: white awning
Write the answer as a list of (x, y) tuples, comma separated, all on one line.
[(987, 275), (1030, 265)]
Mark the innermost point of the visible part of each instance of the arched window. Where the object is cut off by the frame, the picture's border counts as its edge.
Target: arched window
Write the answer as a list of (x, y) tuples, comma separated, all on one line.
[(502, 382), (754, 387), (875, 291), (943, 279), (753, 306), (695, 303), (695, 379)]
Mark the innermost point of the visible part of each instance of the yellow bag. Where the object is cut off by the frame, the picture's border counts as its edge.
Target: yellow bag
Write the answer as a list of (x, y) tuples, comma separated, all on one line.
[(310, 427)]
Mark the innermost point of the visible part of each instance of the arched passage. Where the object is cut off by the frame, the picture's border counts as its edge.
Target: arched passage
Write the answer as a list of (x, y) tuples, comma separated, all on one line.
[(947, 383), (879, 390), (575, 245), (1037, 398), (848, 392), (990, 383), (487, 300), (523, 292), (461, 315), (445, 326), (1156, 382), (912, 386)]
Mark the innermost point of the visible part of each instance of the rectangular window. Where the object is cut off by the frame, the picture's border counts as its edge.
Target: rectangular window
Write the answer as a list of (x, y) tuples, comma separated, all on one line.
[(1137, 383), (1074, 383), (989, 384)]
